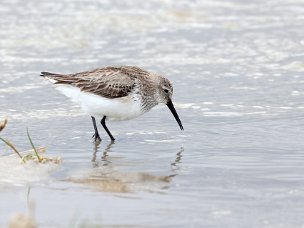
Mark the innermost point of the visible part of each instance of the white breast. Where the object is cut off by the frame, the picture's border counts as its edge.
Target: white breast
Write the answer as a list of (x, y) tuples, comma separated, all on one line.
[(123, 108)]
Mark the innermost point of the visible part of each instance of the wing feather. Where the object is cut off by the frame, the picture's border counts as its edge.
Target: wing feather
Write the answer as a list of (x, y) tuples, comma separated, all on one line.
[(109, 82)]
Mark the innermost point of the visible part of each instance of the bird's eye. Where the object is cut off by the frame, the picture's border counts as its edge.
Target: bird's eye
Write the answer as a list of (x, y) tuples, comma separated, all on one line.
[(166, 91)]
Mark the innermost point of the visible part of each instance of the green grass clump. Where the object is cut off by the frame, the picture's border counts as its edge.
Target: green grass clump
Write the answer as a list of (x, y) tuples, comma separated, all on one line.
[(34, 154)]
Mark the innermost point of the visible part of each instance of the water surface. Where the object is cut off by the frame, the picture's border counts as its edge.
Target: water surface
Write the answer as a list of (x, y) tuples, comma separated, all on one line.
[(237, 69)]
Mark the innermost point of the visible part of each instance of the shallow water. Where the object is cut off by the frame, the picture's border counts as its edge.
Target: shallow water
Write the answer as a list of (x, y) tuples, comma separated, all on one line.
[(237, 69)]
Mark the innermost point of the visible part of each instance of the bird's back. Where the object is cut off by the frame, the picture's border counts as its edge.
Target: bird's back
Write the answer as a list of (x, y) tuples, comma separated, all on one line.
[(109, 82)]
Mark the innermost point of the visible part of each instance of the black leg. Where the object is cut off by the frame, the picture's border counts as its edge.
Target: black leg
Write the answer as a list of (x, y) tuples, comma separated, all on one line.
[(96, 134), (103, 123)]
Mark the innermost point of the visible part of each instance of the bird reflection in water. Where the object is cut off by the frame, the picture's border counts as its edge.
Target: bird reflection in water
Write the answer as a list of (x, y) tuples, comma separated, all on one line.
[(106, 178), (175, 165), (104, 157)]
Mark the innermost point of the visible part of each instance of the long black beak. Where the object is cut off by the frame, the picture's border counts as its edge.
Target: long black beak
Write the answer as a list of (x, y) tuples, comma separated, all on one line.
[(172, 109)]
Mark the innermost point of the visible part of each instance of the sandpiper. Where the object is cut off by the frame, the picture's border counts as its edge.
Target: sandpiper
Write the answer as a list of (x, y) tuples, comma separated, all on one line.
[(115, 93)]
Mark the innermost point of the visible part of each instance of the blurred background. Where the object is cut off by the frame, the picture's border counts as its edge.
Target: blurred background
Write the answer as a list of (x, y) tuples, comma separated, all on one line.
[(237, 70)]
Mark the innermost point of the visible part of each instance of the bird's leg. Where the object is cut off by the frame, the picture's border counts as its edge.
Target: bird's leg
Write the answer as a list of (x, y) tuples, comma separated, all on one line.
[(103, 123), (96, 134)]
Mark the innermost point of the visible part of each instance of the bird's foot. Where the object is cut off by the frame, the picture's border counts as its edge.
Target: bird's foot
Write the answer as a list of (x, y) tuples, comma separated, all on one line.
[(96, 138)]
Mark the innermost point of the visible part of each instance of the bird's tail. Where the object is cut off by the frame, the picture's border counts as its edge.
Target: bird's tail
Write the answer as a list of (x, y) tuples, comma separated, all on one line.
[(52, 77), (48, 74)]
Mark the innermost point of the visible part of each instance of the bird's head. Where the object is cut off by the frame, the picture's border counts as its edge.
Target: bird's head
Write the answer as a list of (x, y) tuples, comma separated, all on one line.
[(165, 92)]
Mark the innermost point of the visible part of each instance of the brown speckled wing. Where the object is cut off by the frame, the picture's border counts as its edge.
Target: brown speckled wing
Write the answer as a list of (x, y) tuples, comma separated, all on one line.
[(109, 82)]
